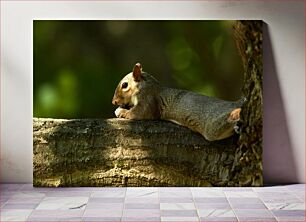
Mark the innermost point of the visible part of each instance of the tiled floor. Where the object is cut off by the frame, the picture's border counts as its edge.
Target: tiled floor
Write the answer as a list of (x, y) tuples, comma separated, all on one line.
[(22, 202)]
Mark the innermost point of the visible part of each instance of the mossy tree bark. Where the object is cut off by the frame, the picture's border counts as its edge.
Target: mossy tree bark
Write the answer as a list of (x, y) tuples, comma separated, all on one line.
[(248, 157), (117, 152)]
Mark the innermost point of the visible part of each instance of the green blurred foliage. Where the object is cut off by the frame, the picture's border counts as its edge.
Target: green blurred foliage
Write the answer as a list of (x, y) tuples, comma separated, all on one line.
[(78, 64)]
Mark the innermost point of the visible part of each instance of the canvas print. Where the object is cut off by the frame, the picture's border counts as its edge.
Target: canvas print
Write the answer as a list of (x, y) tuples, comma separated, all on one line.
[(147, 103)]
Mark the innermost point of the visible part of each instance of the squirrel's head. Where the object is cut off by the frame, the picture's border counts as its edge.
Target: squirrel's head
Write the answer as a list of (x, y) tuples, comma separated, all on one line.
[(130, 86), (127, 88)]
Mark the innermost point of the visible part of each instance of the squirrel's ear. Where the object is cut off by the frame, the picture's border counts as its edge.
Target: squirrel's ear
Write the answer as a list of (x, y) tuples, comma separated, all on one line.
[(137, 72)]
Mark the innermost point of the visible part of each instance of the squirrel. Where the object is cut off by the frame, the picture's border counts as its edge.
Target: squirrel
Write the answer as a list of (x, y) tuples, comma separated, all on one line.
[(140, 96)]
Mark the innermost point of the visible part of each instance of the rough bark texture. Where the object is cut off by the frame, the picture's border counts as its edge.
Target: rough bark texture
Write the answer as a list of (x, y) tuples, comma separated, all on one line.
[(248, 157), (118, 152)]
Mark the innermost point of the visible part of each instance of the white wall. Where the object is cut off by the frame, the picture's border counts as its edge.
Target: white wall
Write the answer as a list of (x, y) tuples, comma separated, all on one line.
[(284, 76)]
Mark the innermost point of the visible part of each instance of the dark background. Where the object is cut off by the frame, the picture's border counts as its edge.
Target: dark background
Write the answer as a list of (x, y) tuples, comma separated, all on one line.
[(78, 64)]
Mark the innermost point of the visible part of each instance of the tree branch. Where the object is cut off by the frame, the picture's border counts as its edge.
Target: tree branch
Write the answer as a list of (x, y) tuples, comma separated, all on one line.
[(119, 152)]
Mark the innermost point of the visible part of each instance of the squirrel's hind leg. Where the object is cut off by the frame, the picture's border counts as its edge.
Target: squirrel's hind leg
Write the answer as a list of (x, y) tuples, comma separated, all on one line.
[(234, 116), (223, 127)]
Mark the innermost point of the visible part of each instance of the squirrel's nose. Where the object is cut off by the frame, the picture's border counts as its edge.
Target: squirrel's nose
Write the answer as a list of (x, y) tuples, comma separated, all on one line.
[(114, 102)]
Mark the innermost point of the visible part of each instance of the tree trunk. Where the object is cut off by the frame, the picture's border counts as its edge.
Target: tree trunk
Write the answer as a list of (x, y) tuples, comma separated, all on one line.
[(248, 157), (117, 152)]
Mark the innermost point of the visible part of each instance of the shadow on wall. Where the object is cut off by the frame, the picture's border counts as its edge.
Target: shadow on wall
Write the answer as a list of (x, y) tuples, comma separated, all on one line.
[(278, 160)]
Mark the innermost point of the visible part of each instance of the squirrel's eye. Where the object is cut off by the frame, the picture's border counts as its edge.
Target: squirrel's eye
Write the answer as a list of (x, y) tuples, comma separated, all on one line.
[(124, 85)]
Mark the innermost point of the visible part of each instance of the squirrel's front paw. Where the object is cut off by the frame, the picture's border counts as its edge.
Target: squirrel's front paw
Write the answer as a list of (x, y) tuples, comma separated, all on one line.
[(120, 113)]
